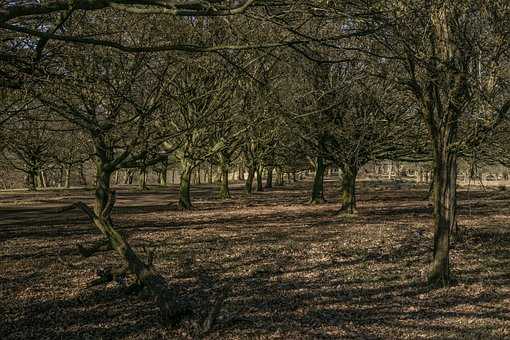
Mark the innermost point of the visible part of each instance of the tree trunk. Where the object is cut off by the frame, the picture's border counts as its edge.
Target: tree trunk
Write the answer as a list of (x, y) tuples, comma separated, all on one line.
[(83, 178), (61, 177), (224, 189), (260, 186), (198, 175), (31, 183), (155, 283), (43, 179), (280, 181), (142, 179), (249, 180), (318, 182), (241, 172), (163, 177), (210, 174), (348, 196), (184, 187), (269, 179), (68, 178), (445, 201)]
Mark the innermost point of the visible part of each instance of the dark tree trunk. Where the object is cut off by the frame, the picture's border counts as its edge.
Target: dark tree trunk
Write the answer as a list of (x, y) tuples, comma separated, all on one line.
[(260, 186), (348, 196), (241, 173), (210, 174), (142, 179), (445, 201), (31, 182), (184, 187), (279, 177), (83, 178), (61, 177), (249, 180), (224, 189), (155, 283), (318, 182), (269, 179)]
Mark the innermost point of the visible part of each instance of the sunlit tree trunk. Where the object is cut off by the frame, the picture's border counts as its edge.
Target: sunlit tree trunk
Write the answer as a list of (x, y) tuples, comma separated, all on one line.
[(260, 186), (348, 187), (68, 178)]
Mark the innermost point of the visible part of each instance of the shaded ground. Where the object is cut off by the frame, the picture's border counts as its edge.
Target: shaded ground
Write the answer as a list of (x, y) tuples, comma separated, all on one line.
[(293, 270)]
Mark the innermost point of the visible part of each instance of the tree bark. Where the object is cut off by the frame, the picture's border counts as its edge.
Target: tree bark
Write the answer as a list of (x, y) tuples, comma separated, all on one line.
[(348, 196), (68, 178), (83, 178), (31, 182), (249, 180), (241, 172), (163, 177), (260, 186), (184, 187), (155, 283), (318, 182), (269, 179), (224, 189), (445, 201), (142, 179)]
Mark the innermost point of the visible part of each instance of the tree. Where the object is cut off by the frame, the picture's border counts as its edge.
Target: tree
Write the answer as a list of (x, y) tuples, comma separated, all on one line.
[(454, 76)]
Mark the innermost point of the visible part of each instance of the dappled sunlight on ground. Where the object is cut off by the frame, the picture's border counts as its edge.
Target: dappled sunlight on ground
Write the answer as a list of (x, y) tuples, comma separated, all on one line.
[(292, 270)]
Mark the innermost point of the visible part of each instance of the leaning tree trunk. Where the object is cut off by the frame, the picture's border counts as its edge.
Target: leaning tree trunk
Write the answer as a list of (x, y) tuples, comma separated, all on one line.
[(269, 179), (445, 201), (249, 180), (184, 187), (224, 189), (155, 283), (260, 186), (348, 196), (43, 178), (318, 182)]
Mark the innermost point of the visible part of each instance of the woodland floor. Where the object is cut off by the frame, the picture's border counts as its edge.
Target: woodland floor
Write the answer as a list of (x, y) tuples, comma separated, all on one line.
[(292, 270)]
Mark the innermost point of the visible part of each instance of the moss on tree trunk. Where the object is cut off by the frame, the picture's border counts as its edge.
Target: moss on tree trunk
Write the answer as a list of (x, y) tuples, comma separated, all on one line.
[(348, 195)]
